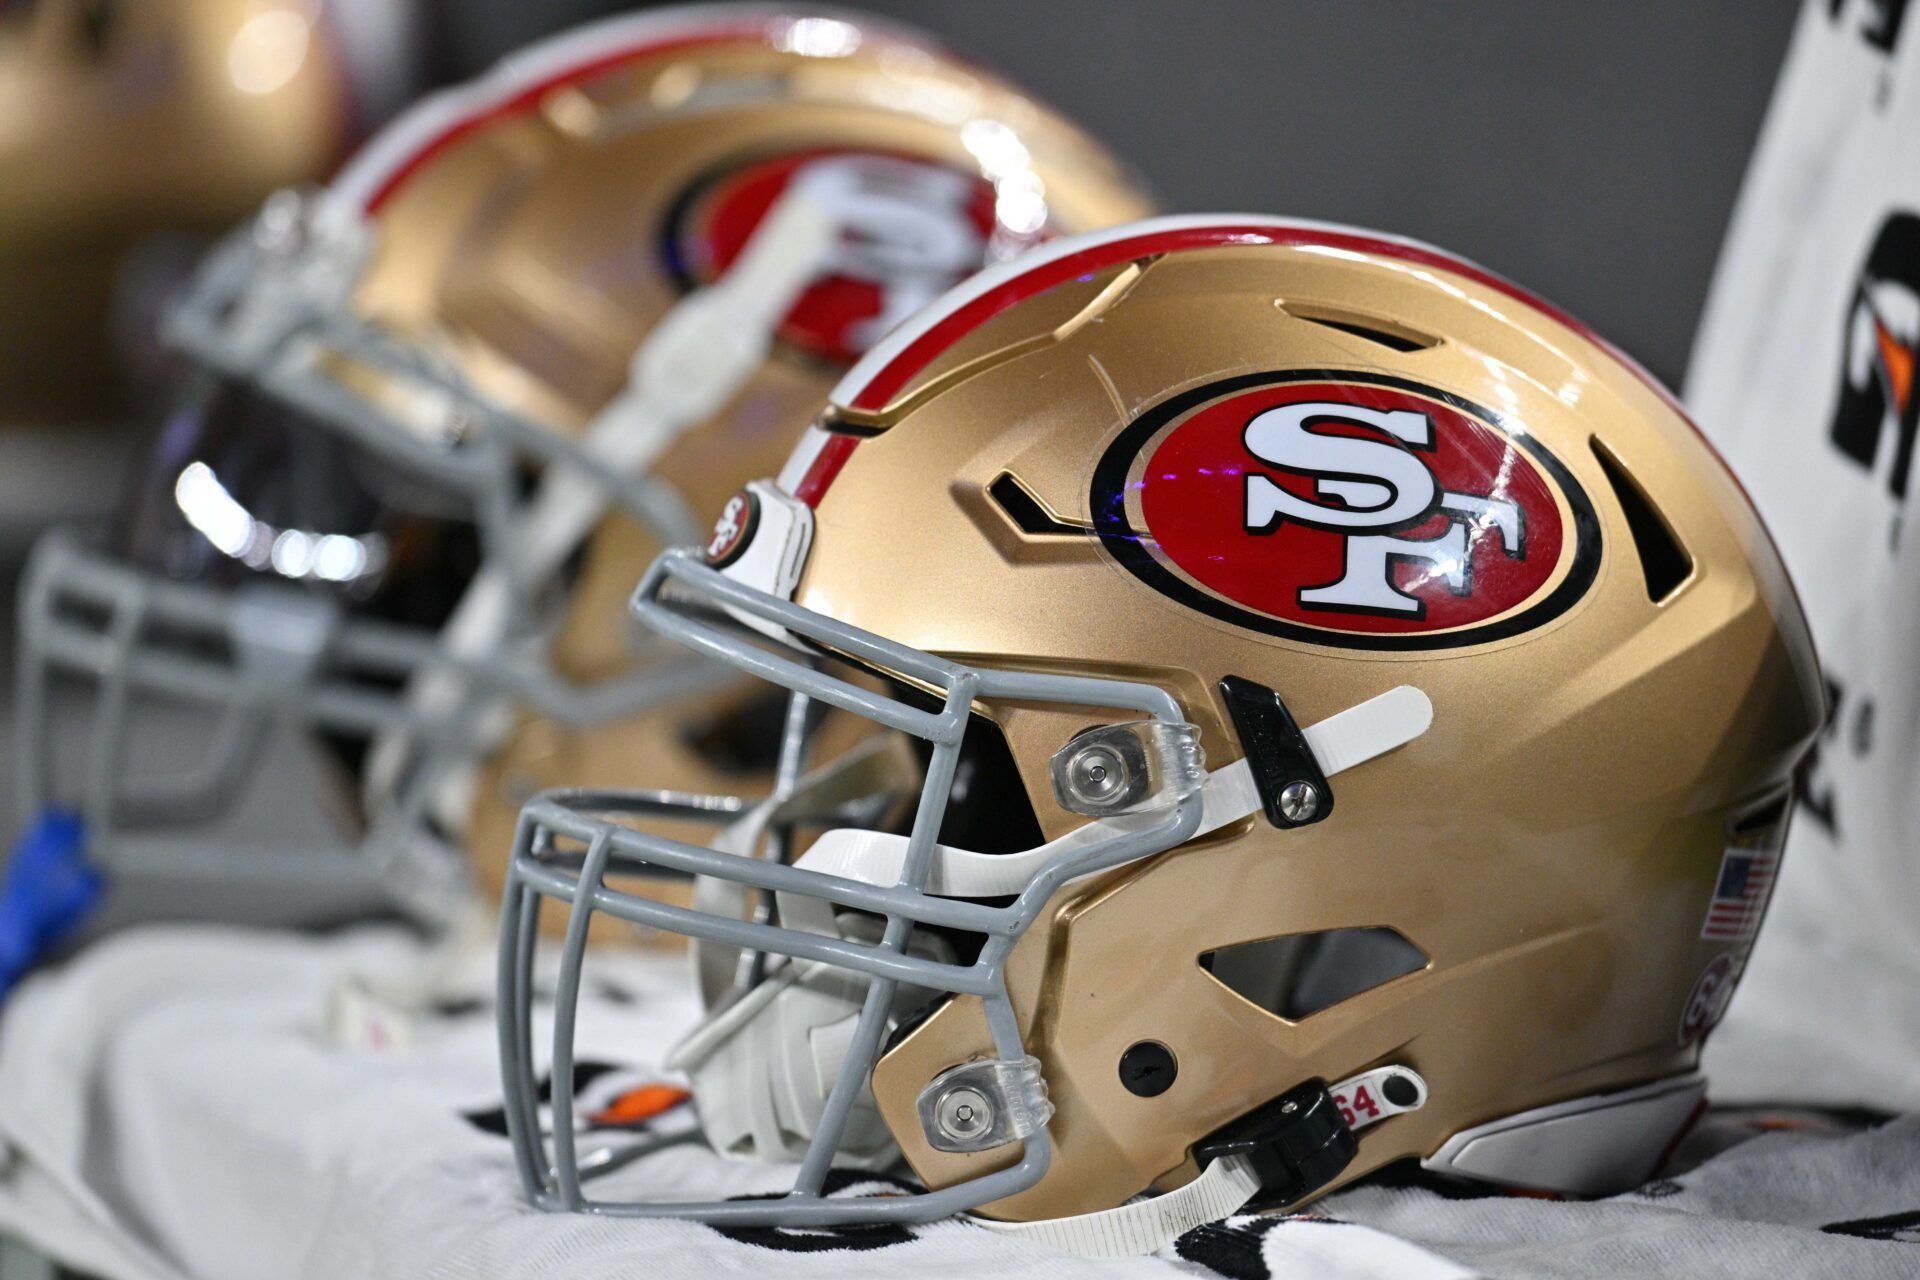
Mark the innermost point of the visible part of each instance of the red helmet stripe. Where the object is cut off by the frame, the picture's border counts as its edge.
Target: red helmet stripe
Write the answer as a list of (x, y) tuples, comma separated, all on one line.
[(826, 464), (518, 85), (971, 314)]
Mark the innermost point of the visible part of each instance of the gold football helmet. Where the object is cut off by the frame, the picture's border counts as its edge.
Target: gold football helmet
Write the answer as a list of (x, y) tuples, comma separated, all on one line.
[(1358, 714), (443, 406), (131, 132)]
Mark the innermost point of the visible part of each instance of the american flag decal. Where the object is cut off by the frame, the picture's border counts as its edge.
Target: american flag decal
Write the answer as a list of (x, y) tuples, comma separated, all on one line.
[(1740, 894)]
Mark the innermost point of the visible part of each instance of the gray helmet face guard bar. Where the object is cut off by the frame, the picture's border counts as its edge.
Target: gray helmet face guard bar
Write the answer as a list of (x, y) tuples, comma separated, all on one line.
[(263, 308), (249, 657), (561, 820)]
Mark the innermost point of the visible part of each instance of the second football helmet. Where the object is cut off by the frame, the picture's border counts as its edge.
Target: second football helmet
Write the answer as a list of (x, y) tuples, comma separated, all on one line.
[(443, 405)]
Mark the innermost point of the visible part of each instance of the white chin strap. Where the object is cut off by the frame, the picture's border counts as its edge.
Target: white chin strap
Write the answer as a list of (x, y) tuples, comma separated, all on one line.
[(759, 1052), (1223, 1188), (1339, 742), (1146, 1225), (696, 359)]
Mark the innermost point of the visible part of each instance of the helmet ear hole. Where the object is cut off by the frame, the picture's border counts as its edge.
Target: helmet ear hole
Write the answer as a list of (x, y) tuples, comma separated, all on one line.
[(1148, 1069), (1302, 974)]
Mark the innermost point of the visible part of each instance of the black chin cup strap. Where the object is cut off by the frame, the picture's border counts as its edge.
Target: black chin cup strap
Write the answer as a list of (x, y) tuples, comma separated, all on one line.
[(1297, 1144)]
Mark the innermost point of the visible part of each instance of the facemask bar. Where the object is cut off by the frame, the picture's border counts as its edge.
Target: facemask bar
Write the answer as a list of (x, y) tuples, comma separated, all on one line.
[(541, 870), (751, 968), (250, 657), (273, 303), (272, 299)]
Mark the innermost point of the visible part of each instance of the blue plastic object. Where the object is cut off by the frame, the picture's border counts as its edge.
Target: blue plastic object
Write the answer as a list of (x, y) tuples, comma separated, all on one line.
[(47, 891)]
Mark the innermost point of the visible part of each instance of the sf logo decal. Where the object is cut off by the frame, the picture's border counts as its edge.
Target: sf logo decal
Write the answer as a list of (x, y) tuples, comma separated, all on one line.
[(1370, 493), (910, 229), (1353, 510), (910, 234)]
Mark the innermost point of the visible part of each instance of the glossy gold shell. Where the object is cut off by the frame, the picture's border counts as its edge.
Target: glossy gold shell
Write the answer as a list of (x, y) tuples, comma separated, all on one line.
[(1551, 843)]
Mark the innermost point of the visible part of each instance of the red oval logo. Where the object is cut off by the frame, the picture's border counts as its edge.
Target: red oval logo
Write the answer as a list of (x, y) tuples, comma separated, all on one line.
[(911, 230), (1362, 511)]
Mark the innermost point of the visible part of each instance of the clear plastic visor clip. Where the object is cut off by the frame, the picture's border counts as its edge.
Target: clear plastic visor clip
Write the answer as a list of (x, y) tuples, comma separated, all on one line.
[(1128, 768), (977, 1106)]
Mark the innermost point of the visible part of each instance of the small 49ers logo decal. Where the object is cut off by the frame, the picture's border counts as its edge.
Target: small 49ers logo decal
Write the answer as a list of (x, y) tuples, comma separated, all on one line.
[(734, 529), (1348, 509)]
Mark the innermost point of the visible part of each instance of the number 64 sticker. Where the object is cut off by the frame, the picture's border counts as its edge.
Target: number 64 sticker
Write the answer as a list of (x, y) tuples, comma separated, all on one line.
[(1377, 1094)]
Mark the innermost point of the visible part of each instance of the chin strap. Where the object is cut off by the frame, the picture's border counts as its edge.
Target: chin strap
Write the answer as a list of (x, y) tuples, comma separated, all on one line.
[(1278, 1154), (1341, 741), (1144, 1226)]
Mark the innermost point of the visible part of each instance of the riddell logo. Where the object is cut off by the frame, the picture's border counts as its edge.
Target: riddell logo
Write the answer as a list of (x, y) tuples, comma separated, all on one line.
[(1875, 418), (1364, 512), (909, 231)]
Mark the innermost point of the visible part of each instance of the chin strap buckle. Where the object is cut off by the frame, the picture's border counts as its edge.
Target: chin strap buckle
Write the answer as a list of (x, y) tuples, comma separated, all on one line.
[(1291, 781), (1275, 1155), (1294, 1145)]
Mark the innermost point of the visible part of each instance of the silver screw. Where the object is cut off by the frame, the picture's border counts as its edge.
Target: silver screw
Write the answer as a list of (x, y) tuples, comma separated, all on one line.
[(964, 1114), (1097, 776), (1299, 801)]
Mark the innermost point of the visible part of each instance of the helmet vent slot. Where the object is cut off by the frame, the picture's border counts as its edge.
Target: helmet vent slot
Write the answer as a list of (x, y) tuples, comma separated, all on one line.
[(1664, 562), (1302, 974), (1380, 332), (1027, 512)]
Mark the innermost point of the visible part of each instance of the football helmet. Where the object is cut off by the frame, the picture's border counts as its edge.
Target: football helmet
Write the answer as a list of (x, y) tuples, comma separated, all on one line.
[(132, 133), (1357, 710), (442, 407)]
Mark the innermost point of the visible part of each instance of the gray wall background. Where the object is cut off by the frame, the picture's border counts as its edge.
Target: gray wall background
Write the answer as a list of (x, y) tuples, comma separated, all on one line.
[(1591, 151)]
